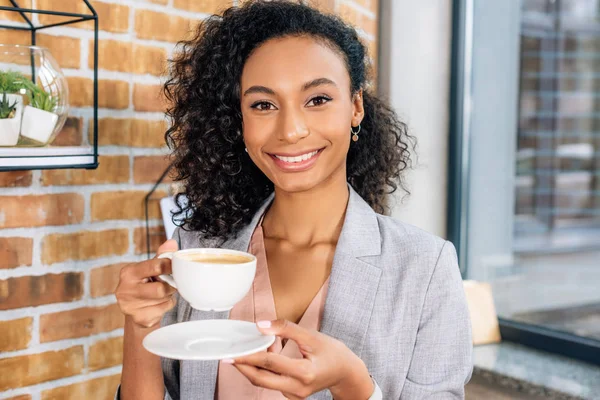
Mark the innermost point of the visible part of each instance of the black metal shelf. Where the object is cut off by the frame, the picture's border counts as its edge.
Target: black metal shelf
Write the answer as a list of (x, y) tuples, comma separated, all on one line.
[(23, 158)]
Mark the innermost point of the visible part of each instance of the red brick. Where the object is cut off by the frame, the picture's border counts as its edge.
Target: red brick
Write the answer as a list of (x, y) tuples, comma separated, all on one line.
[(157, 237), (149, 98), (105, 354), (172, 28), (97, 389), (113, 55), (112, 169), (104, 280), (358, 19), (15, 252), (21, 397), (111, 94), (205, 6), (16, 372), (124, 205), (41, 210), (148, 169), (65, 50), (31, 291), (15, 179), (80, 322), (71, 133), (84, 245), (11, 15), (111, 17), (16, 334), (131, 132), (327, 6), (149, 60), (81, 91)]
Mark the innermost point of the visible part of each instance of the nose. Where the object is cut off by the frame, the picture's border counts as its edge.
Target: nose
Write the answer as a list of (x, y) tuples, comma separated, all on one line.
[(293, 127)]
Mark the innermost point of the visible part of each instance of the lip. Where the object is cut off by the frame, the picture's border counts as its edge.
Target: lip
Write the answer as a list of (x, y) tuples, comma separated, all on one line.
[(299, 153), (298, 166)]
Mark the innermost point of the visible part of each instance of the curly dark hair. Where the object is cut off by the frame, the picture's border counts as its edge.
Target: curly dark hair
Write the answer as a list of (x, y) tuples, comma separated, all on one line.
[(222, 186)]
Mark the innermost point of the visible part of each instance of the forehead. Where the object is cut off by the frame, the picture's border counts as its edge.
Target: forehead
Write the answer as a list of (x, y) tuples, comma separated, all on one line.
[(291, 61)]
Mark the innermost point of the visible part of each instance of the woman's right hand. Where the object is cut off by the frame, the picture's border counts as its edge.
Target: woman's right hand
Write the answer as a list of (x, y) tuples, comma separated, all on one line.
[(140, 296)]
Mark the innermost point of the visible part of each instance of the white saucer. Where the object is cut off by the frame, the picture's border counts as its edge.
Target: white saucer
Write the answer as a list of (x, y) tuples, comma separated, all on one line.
[(213, 339)]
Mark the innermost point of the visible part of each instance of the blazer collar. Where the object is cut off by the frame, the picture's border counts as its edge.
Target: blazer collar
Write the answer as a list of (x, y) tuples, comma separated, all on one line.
[(360, 235)]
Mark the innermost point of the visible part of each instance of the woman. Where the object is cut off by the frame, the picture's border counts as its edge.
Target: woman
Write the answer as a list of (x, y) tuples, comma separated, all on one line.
[(285, 153)]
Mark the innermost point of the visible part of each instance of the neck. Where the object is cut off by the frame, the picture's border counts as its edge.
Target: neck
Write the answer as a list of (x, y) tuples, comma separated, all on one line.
[(310, 217)]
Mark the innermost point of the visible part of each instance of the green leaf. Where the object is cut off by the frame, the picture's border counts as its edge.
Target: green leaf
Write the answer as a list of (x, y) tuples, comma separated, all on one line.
[(6, 109)]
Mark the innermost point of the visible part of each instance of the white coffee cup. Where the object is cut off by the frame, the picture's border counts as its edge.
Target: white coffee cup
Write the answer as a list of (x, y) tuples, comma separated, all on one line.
[(206, 281)]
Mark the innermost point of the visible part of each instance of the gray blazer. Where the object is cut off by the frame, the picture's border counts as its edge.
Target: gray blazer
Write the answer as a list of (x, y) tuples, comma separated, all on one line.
[(395, 298)]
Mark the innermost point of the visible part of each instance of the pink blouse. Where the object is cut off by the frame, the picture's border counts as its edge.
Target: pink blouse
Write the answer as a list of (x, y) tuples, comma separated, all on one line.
[(259, 305)]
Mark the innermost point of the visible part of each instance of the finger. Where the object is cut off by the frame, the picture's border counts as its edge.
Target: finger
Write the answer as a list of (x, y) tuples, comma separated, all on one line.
[(142, 271), (154, 290), (267, 379), (152, 315), (286, 329), (169, 245), (300, 369)]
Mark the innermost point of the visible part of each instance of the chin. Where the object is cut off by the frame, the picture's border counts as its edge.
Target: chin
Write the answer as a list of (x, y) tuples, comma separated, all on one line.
[(294, 183)]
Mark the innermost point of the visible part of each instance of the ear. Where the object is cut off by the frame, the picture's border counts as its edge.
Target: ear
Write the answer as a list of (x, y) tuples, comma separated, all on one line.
[(358, 109)]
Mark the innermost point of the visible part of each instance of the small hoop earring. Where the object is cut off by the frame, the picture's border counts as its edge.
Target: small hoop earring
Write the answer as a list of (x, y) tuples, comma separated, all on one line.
[(245, 148), (355, 133)]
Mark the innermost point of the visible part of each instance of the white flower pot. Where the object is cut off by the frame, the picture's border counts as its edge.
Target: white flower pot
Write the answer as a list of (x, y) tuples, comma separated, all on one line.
[(9, 128), (38, 124)]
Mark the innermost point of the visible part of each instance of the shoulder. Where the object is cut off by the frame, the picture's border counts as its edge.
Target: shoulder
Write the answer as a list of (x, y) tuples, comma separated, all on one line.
[(407, 239), (187, 239), (410, 251)]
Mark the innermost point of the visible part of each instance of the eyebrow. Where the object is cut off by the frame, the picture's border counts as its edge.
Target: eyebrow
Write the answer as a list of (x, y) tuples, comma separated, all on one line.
[(306, 86), (318, 82)]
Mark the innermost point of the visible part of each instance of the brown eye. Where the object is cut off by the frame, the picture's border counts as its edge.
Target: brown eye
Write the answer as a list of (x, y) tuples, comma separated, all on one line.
[(263, 106), (318, 101)]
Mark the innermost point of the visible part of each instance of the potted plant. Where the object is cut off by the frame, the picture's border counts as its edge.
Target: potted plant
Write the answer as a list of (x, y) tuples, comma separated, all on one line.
[(13, 82), (39, 118), (10, 119)]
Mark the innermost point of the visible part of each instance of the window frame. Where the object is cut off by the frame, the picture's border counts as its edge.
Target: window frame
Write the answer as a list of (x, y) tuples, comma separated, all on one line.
[(462, 101)]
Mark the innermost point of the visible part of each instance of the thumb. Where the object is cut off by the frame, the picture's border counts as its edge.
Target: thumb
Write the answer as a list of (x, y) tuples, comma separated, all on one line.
[(169, 245), (289, 330)]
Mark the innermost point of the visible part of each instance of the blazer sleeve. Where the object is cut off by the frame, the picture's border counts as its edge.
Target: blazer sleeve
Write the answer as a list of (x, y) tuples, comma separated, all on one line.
[(170, 367), (441, 364)]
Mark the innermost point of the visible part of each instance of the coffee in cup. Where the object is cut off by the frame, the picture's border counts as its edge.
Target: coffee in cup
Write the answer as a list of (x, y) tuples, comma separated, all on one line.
[(211, 279)]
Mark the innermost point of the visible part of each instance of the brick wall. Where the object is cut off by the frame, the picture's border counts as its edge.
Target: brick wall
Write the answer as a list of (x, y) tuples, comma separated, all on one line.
[(64, 234)]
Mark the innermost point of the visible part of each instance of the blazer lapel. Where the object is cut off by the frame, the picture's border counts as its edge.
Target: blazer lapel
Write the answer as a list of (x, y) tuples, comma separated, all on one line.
[(206, 371), (354, 281)]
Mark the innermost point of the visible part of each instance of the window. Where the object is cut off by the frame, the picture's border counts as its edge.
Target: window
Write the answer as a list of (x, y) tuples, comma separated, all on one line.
[(525, 151)]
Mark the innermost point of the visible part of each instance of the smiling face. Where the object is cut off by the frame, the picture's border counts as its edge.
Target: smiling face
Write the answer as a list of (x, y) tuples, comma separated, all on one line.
[(297, 112)]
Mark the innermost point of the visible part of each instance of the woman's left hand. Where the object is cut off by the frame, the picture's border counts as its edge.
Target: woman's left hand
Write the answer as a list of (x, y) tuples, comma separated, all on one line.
[(327, 364)]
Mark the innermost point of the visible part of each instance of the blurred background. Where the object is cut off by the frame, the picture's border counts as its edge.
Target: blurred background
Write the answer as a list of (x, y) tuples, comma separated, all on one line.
[(503, 97)]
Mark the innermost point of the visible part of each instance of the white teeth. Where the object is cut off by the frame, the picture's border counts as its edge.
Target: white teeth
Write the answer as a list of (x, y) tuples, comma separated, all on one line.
[(297, 159)]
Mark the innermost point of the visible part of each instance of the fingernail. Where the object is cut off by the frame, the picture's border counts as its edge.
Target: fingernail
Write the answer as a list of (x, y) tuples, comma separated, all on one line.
[(264, 324), (228, 361)]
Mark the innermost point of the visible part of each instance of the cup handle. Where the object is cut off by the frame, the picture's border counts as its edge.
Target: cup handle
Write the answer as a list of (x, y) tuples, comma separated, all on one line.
[(164, 277)]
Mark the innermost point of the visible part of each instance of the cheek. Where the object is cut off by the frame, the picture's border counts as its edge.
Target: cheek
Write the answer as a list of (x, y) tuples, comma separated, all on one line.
[(333, 123), (255, 132), (335, 129)]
